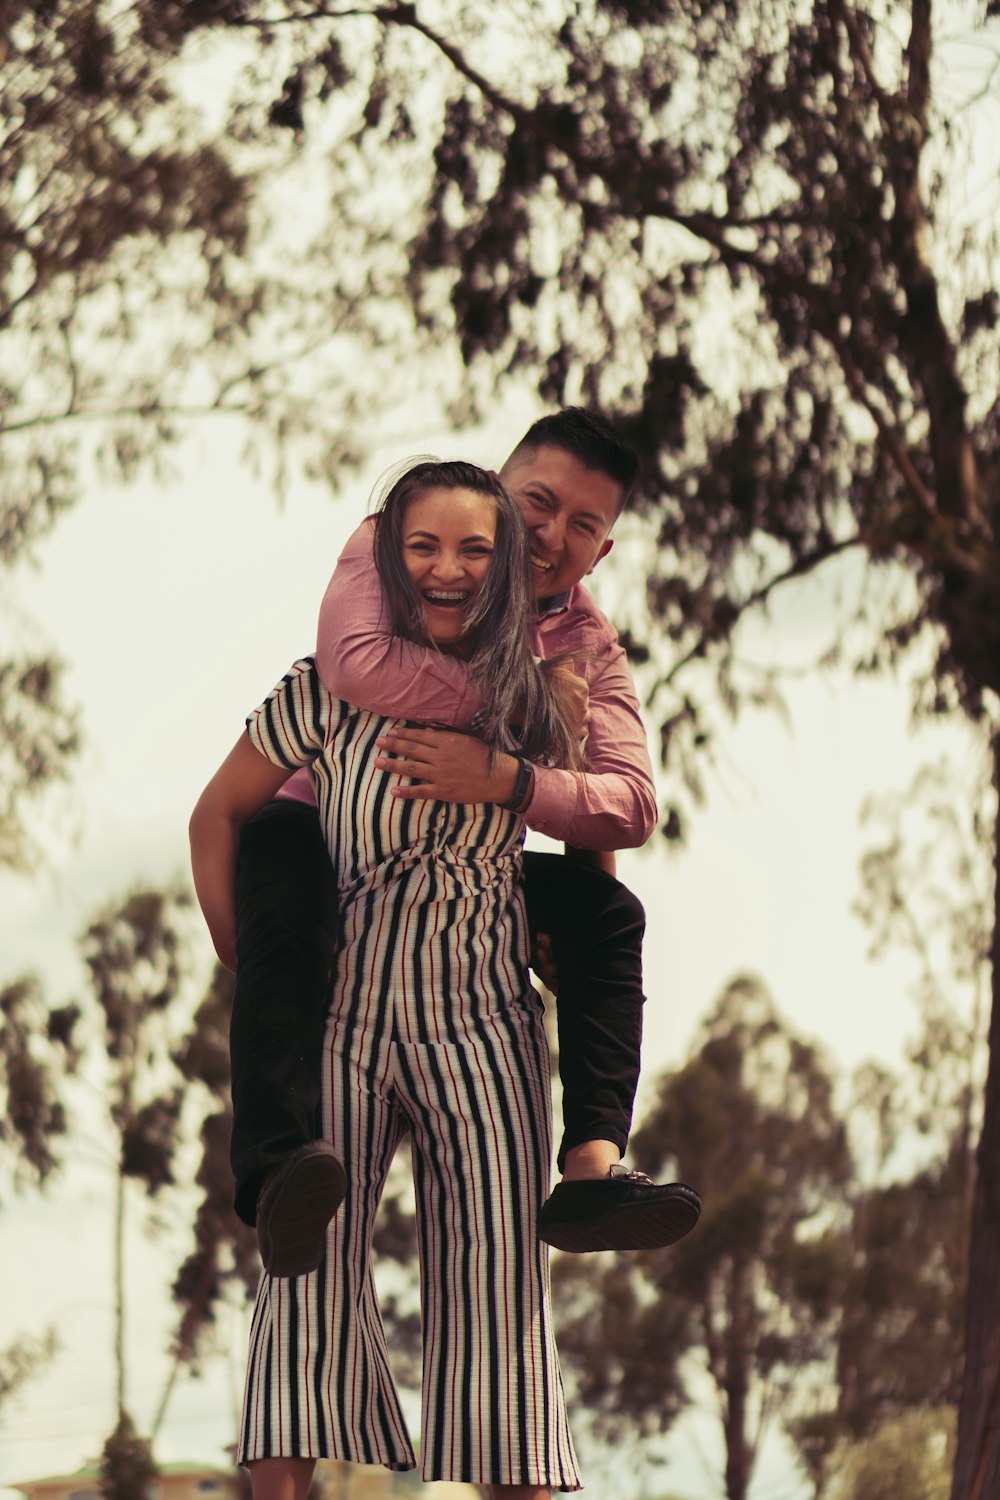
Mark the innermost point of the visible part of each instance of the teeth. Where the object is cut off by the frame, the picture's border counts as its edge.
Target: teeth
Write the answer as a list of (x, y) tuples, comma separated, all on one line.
[(543, 567), (441, 594)]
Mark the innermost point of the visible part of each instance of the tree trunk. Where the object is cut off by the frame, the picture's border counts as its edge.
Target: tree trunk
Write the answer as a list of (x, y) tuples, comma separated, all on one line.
[(120, 1293), (186, 1335), (977, 1458), (738, 1456)]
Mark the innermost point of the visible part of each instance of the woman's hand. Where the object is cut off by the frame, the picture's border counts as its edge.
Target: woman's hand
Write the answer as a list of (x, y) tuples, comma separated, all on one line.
[(446, 766)]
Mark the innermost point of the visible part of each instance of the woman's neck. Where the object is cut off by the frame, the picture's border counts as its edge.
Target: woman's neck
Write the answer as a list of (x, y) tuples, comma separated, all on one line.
[(462, 649)]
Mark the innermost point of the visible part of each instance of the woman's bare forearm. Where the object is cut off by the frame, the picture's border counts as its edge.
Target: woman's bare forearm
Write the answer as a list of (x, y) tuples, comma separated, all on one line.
[(214, 847), (242, 784)]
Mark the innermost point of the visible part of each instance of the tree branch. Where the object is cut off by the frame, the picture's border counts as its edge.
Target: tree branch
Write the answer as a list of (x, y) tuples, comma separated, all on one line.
[(799, 568), (861, 52), (140, 409), (918, 54), (404, 14), (888, 435)]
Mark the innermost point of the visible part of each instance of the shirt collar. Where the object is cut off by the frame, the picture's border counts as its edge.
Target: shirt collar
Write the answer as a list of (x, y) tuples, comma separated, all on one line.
[(558, 604)]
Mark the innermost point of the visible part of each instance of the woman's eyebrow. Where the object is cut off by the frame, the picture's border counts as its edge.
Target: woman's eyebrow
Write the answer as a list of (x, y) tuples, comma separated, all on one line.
[(432, 536)]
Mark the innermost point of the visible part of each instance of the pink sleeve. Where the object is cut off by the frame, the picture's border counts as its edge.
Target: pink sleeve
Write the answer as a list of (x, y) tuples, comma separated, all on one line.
[(611, 804), (361, 662)]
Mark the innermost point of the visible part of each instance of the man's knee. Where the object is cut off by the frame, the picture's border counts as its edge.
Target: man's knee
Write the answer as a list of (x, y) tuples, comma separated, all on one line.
[(611, 910), (632, 911), (601, 913)]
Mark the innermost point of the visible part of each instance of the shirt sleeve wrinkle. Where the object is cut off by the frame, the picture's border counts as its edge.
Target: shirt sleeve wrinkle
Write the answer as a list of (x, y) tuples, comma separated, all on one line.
[(611, 804)]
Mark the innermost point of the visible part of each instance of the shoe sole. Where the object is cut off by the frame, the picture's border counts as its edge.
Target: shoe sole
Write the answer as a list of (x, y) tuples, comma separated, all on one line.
[(632, 1226), (292, 1237)]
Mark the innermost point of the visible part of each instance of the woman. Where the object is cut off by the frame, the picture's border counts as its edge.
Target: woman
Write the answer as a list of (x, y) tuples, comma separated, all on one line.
[(434, 1030)]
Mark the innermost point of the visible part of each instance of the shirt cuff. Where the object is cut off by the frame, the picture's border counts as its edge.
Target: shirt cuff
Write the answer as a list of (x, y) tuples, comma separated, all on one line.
[(552, 801)]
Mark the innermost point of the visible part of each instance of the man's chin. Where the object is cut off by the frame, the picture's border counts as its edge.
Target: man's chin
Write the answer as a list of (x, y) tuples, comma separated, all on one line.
[(546, 585)]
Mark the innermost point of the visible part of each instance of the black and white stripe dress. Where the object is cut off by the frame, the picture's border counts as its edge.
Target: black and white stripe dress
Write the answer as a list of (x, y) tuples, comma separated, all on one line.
[(435, 1030)]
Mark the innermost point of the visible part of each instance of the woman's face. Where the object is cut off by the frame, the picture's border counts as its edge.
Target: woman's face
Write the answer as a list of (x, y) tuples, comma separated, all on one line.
[(448, 538)]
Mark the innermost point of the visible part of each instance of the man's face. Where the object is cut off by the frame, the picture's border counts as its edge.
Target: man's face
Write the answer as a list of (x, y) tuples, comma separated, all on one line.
[(568, 510)]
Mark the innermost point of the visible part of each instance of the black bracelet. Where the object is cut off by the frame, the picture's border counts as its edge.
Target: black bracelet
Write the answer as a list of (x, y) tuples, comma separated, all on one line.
[(518, 797)]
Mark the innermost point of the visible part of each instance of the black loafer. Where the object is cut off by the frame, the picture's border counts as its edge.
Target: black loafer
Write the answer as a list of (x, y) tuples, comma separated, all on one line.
[(295, 1206), (623, 1211)]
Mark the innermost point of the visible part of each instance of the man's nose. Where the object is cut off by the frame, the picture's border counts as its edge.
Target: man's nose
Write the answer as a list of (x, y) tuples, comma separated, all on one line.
[(551, 532)]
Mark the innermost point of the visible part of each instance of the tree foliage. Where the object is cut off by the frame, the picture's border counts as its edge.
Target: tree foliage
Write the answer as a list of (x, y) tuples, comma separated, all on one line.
[(576, 199), (22, 1360), (927, 892), (128, 1470), (225, 1250), (911, 1456), (822, 1290), (164, 264), (737, 225), (39, 736), (752, 1119), (135, 955), (38, 1050)]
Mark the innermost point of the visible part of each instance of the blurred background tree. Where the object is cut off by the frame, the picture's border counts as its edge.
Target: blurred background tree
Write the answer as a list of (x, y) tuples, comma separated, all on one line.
[(156, 274), (760, 236), (39, 1054), (751, 1118), (909, 1456)]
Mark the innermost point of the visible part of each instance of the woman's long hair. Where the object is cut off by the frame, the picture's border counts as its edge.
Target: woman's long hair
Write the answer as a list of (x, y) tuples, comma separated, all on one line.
[(522, 706)]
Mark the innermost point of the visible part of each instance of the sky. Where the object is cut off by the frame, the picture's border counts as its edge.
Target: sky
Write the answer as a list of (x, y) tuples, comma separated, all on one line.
[(178, 607)]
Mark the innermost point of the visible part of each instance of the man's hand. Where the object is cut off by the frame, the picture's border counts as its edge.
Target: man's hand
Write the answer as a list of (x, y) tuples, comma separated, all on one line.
[(447, 766), (544, 964)]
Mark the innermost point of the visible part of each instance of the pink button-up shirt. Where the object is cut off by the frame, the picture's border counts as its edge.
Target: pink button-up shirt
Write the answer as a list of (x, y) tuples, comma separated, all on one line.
[(611, 804)]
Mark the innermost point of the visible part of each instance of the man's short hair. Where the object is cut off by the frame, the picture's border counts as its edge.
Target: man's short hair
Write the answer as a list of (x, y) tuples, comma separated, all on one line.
[(590, 438)]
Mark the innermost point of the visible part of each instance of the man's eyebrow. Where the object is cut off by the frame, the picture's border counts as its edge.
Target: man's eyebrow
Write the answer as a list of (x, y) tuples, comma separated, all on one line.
[(590, 515)]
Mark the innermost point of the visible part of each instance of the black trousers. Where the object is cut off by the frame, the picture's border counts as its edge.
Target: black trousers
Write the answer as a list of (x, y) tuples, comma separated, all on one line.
[(286, 935)]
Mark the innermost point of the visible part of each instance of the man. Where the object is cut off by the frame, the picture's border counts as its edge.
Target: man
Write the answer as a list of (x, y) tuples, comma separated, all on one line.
[(570, 476)]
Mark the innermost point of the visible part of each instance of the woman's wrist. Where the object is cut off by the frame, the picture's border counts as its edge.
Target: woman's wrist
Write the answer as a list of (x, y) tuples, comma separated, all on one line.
[(523, 785)]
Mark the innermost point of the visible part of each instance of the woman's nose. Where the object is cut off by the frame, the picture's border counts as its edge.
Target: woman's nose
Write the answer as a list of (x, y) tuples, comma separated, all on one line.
[(448, 567)]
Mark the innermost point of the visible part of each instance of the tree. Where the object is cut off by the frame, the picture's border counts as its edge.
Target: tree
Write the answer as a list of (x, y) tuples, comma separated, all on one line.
[(134, 954), (155, 273), (574, 190), (22, 1360), (911, 1456), (225, 1250), (752, 1119), (927, 890), (591, 190), (39, 1050), (38, 1053), (127, 1467)]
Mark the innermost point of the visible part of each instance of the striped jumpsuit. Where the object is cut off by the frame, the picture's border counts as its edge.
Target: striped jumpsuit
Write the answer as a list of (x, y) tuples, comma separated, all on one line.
[(435, 1030)]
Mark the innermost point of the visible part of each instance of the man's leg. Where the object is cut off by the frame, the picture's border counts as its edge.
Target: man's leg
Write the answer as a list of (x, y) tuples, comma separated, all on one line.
[(288, 1181), (596, 925)]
